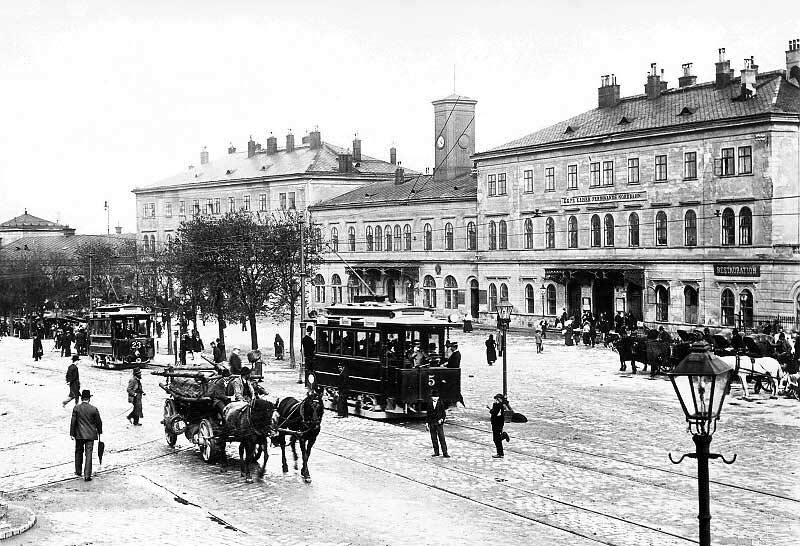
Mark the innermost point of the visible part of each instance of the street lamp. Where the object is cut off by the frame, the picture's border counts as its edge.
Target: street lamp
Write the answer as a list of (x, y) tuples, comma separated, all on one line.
[(543, 294), (503, 320), (701, 381)]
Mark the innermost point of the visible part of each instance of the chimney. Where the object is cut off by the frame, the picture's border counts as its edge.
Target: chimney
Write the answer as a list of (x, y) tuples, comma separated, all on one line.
[(251, 147), (204, 156), (345, 162), (399, 176), (356, 148), (608, 92), (749, 79), (687, 78), (314, 140), (724, 72), (793, 63), (231, 149), (654, 86), (272, 144), (118, 230), (290, 141), (393, 155)]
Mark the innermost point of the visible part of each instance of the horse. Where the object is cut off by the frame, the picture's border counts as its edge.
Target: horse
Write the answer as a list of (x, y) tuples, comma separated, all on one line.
[(301, 421), (764, 368), (629, 349), (249, 424)]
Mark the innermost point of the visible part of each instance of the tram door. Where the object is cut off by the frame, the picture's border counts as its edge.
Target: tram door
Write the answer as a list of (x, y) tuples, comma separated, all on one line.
[(475, 299)]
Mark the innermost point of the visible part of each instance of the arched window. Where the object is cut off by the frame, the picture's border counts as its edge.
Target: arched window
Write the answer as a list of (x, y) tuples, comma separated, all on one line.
[(153, 244), (595, 231), (387, 234), (662, 304), (745, 226), (492, 235), (169, 239), (450, 292), (528, 233), (407, 237), (727, 307), (530, 298), (690, 304), (492, 298), (472, 236), (502, 238), (448, 236), (319, 289), (353, 288), (661, 228), (146, 244), (551, 299), (608, 223), (728, 227), (398, 238), (503, 292), (378, 238), (550, 233), (351, 239), (429, 291), (572, 232), (370, 239), (746, 307), (336, 289), (428, 237), (335, 239), (690, 228), (633, 229)]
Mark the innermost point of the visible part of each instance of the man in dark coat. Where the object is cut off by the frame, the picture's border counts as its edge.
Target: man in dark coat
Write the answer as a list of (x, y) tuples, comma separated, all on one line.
[(73, 380), (217, 353), (235, 362), (85, 427), (309, 347), (497, 413), (135, 394), (454, 360), (435, 423), (38, 351)]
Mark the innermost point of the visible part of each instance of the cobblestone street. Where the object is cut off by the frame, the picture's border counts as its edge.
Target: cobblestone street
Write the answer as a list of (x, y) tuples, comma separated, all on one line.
[(589, 467)]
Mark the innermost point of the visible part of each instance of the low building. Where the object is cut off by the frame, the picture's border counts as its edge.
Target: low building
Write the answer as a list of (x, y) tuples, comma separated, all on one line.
[(28, 225)]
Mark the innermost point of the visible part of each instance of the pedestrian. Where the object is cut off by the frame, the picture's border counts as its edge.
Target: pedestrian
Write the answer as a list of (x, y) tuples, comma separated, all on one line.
[(135, 394), (537, 337), (308, 347), (278, 344), (197, 343), (491, 350), (85, 427), (468, 323), (38, 351), (235, 362), (344, 392), (184, 348), (73, 380), (435, 423), (497, 413), (454, 360), (217, 352)]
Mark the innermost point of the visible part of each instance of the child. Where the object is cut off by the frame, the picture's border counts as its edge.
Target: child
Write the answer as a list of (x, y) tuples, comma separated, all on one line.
[(537, 336)]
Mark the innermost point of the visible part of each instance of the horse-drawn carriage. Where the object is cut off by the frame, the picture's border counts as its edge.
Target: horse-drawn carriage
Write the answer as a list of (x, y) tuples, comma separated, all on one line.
[(650, 348), (753, 359), (200, 407)]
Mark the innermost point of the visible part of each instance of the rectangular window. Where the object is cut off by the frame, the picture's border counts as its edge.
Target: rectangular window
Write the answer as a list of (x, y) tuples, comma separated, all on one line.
[(745, 160), (608, 173), (572, 177), (528, 176), (661, 168), (292, 202), (728, 162), (209, 206), (195, 207), (550, 179), (282, 200), (501, 184), (168, 210), (594, 174), (491, 182), (262, 201), (246, 203), (231, 204), (690, 165), (216, 205), (152, 210), (182, 208), (633, 170)]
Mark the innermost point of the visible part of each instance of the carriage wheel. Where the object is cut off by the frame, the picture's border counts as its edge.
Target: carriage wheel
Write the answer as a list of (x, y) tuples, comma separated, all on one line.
[(767, 384), (169, 412), (209, 446)]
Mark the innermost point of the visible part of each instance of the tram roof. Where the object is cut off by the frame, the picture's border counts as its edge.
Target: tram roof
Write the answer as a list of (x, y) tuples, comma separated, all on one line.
[(393, 313), (119, 309)]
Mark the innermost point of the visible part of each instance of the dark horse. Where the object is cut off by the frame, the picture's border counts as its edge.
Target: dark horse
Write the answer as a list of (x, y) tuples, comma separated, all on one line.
[(301, 421), (249, 424)]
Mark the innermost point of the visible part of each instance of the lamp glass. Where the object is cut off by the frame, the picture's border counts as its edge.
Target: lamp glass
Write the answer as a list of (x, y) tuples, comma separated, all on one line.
[(504, 310), (701, 397)]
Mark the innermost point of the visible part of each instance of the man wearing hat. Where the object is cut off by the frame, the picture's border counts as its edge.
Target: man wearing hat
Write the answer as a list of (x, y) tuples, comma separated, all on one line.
[(497, 413), (436, 415), (454, 360), (85, 427), (244, 390), (135, 394), (73, 381)]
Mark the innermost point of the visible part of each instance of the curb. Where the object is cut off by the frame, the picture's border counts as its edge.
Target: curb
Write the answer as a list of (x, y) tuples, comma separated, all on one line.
[(16, 521)]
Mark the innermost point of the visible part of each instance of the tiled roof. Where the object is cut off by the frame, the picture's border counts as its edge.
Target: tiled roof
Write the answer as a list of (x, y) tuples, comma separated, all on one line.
[(29, 221), (674, 108), (66, 244), (417, 187), (302, 160)]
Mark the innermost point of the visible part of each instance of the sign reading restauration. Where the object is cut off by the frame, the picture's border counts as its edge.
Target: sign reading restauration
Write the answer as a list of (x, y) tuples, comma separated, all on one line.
[(737, 270), (605, 198)]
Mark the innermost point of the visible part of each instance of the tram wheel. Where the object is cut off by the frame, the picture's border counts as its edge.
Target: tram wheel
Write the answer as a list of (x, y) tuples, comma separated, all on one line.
[(169, 413)]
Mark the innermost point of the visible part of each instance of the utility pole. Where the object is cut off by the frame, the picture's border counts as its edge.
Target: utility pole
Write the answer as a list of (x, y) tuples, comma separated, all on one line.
[(301, 377), (91, 292), (108, 220)]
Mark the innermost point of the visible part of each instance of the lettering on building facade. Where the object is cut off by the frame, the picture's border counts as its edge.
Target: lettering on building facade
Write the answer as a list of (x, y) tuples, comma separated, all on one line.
[(737, 270), (617, 197)]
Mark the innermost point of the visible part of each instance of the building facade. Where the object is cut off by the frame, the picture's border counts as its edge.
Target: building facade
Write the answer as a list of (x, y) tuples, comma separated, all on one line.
[(679, 206)]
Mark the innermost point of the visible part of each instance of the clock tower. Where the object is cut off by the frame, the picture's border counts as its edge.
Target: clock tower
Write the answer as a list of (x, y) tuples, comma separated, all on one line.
[(453, 136)]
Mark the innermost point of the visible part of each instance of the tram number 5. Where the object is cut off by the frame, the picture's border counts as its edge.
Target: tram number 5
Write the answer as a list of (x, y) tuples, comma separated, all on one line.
[(431, 381)]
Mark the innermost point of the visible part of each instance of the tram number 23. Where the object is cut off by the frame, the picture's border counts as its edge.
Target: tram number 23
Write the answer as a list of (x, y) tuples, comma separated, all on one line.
[(136, 345), (431, 380)]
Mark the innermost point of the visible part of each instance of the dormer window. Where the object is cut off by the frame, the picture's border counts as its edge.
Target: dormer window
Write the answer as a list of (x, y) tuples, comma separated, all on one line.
[(569, 130), (687, 111), (625, 120)]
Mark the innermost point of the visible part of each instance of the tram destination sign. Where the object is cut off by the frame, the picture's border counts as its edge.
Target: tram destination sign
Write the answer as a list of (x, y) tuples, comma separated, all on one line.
[(601, 198), (737, 270)]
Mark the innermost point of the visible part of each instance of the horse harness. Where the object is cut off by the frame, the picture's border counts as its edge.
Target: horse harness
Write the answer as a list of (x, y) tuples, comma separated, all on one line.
[(307, 427)]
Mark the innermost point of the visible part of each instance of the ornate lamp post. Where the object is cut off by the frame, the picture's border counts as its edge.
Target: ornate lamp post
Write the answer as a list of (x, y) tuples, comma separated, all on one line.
[(503, 320), (543, 294), (701, 381)]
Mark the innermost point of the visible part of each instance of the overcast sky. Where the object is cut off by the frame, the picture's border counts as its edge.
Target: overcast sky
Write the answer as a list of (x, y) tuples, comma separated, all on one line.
[(98, 97)]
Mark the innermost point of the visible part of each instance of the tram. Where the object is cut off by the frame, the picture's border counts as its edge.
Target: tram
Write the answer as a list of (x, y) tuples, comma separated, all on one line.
[(121, 336), (364, 350)]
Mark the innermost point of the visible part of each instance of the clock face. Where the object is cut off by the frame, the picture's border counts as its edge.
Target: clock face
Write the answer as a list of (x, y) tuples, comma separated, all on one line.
[(440, 142), (463, 141)]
